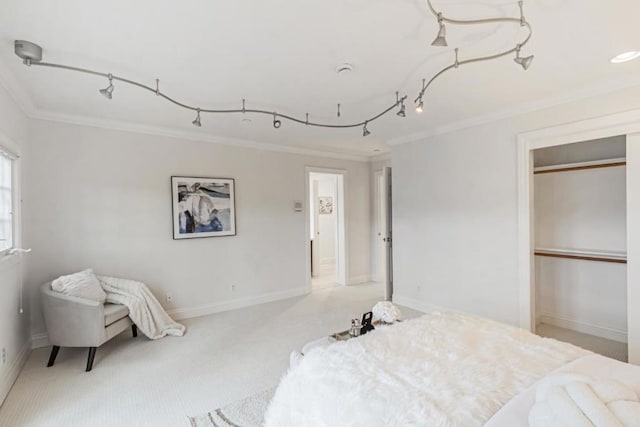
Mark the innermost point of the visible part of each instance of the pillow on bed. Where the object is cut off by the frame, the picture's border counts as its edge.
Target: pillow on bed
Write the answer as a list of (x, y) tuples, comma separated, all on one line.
[(84, 284)]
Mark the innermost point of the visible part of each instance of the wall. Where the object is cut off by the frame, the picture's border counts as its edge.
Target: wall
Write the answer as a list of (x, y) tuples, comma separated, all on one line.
[(14, 327), (101, 198), (455, 210)]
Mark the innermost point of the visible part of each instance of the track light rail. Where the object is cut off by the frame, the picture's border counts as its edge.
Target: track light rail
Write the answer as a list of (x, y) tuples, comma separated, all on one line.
[(32, 56)]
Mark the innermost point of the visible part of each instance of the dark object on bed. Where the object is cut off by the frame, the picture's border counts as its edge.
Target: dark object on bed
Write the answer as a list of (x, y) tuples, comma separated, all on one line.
[(367, 323)]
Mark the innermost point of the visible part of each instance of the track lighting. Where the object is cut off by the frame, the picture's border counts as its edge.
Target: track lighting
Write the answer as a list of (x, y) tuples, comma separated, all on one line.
[(276, 123), (31, 55), (524, 61), (108, 91), (402, 111), (400, 102), (196, 122), (365, 131), (441, 38)]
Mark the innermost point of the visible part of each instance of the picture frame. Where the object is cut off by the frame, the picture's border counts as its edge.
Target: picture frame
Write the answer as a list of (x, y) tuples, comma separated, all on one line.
[(203, 207), (326, 205)]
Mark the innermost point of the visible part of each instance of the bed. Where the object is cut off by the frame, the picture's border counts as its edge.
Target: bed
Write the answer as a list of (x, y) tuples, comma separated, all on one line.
[(441, 369)]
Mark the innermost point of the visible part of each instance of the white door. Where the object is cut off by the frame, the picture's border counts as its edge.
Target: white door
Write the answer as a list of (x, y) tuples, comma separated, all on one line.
[(315, 229), (388, 234), (381, 229)]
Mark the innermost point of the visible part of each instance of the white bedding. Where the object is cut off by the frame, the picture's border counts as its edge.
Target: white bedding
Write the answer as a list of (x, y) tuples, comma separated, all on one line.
[(442, 369), (516, 412)]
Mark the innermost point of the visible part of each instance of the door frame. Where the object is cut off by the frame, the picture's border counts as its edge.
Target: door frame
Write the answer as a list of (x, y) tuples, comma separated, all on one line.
[(624, 123), (380, 226), (342, 248)]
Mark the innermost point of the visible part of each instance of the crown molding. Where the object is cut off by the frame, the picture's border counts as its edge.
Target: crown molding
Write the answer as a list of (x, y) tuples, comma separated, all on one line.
[(519, 110), (380, 157), (191, 136), (16, 92)]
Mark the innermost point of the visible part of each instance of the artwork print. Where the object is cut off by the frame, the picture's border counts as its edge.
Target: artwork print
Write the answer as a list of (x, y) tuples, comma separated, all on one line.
[(326, 205), (203, 207)]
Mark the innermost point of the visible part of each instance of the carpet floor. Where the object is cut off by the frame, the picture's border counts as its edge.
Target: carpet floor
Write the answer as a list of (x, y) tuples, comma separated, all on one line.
[(223, 358)]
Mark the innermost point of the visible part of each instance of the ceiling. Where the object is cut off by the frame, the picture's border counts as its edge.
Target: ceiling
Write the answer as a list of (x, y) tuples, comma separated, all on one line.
[(282, 54)]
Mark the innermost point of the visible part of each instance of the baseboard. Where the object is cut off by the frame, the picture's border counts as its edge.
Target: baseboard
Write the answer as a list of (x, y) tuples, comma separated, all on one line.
[(40, 340), (416, 304), (584, 327), (189, 312), (357, 280), (12, 374)]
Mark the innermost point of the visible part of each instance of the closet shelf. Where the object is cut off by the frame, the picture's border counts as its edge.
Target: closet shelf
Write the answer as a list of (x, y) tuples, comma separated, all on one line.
[(602, 256), (581, 166)]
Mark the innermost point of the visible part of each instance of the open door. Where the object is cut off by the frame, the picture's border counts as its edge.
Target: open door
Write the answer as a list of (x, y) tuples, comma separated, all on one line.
[(315, 230), (388, 234)]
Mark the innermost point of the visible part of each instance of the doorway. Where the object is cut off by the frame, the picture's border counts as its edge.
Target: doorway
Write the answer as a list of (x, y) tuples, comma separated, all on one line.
[(626, 123), (383, 247), (327, 264)]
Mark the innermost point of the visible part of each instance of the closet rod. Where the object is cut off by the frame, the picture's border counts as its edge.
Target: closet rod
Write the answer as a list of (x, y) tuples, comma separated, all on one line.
[(582, 257), (582, 167)]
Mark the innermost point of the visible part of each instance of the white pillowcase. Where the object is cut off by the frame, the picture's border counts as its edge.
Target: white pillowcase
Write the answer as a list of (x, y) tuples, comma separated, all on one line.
[(84, 284)]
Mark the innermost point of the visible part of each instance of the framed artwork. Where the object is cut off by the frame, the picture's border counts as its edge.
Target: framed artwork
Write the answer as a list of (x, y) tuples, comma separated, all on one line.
[(203, 207), (326, 205)]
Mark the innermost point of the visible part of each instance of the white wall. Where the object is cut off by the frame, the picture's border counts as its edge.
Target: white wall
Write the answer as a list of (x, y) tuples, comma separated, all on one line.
[(100, 198), (455, 210), (14, 327)]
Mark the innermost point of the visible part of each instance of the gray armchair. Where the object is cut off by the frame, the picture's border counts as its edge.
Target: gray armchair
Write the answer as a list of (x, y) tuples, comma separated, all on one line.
[(79, 322)]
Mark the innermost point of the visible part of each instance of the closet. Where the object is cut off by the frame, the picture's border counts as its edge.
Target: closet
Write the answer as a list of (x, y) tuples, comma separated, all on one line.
[(580, 240)]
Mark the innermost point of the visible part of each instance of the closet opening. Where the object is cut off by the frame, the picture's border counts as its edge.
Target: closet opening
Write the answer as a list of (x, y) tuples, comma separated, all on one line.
[(579, 240)]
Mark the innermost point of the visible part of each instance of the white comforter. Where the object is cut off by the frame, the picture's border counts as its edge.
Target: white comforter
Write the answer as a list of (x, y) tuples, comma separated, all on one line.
[(442, 369), (144, 309)]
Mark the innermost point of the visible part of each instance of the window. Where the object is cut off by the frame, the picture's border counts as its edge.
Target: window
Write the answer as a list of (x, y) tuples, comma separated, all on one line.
[(6, 202)]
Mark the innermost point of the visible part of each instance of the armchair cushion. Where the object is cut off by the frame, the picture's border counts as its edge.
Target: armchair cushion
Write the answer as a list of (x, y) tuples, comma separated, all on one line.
[(114, 312), (84, 284)]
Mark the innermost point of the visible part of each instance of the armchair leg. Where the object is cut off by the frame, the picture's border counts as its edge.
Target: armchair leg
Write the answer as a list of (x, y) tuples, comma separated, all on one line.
[(134, 330), (92, 355), (53, 355)]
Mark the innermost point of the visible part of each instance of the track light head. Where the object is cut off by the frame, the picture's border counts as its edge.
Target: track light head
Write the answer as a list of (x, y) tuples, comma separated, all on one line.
[(420, 106), (196, 122), (441, 38), (276, 123), (365, 131), (107, 92), (524, 61), (402, 112)]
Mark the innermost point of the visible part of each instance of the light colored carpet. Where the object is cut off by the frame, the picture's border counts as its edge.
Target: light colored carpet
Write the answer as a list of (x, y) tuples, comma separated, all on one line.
[(247, 412), (223, 358), (612, 349)]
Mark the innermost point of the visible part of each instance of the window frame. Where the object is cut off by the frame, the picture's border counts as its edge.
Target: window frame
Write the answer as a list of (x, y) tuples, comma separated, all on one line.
[(10, 150)]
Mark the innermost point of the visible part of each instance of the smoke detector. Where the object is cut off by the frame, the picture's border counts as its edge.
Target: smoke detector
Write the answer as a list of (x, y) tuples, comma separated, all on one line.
[(344, 69)]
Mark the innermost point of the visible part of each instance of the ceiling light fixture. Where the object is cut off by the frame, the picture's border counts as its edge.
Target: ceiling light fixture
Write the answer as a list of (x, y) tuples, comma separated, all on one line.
[(441, 38), (625, 57), (196, 122), (521, 21), (365, 131), (31, 54), (276, 123), (108, 91), (402, 112), (524, 61)]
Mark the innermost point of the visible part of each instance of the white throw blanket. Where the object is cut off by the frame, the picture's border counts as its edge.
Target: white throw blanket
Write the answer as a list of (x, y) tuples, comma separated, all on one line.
[(144, 309), (573, 400), (442, 369)]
